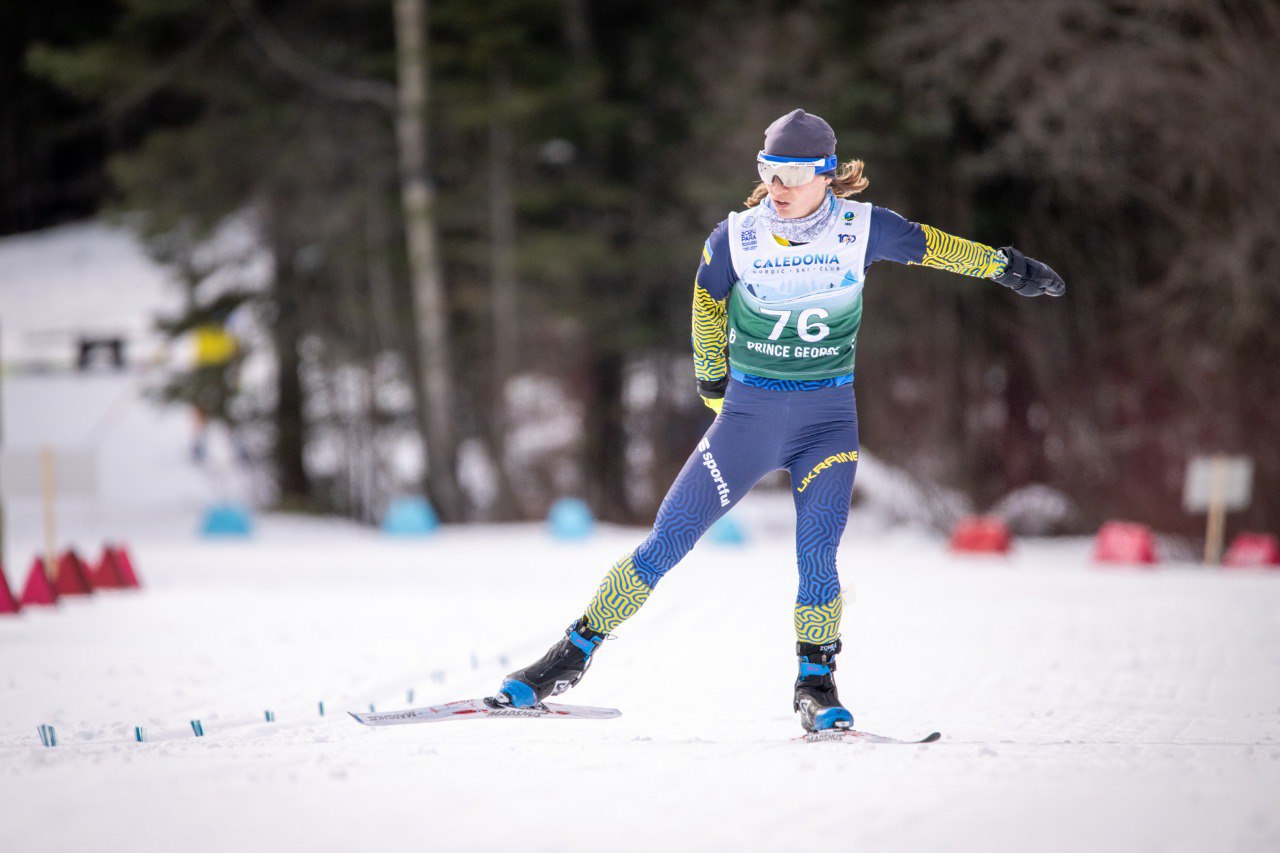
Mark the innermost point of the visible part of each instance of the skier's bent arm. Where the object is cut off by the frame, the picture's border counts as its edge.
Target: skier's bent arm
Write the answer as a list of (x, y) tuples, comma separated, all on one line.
[(893, 238), (711, 290), (710, 367)]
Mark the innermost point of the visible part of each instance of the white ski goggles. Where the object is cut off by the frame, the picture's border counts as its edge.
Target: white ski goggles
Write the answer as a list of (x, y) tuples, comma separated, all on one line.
[(792, 171)]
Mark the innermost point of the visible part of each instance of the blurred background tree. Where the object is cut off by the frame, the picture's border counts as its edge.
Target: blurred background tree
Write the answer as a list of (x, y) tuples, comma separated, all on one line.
[(1128, 143), (578, 154)]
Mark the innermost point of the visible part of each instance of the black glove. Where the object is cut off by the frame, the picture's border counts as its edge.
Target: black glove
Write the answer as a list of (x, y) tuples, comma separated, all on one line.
[(712, 392), (713, 388), (1029, 277)]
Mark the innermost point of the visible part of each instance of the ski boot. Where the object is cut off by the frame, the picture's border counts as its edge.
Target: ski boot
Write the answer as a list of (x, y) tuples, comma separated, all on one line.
[(816, 697), (555, 672)]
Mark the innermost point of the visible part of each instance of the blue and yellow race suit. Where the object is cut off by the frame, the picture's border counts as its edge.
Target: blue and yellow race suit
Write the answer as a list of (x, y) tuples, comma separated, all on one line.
[(779, 321)]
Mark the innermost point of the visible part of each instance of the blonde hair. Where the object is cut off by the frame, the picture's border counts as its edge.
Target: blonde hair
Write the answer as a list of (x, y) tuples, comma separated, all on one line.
[(848, 180)]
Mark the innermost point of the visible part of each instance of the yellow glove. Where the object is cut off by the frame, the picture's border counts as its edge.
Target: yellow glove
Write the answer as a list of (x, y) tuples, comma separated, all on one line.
[(715, 404)]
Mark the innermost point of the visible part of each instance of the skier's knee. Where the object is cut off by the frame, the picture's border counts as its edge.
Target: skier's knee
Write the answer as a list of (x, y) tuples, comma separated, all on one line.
[(654, 558)]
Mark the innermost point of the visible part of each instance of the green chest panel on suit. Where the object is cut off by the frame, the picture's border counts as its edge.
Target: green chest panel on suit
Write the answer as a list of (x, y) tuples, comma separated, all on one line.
[(796, 310)]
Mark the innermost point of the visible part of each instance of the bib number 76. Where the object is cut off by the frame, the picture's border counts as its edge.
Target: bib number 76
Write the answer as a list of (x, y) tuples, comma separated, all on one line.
[(808, 330)]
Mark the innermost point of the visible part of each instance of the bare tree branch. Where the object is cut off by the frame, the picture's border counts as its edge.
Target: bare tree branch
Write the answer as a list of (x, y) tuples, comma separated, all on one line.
[(310, 74)]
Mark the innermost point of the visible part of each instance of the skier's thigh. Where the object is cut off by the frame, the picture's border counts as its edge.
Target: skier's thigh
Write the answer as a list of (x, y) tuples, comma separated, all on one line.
[(729, 459)]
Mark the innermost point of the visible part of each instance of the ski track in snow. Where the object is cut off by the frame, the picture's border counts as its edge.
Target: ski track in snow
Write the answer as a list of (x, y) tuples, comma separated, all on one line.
[(1082, 709)]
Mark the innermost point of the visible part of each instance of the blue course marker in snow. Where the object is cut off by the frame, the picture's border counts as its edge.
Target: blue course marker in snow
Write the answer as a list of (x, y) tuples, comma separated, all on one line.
[(322, 709), (570, 518), (727, 531), (227, 520), (139, 734), (48, 736), (198, 728), (270, 715), (410, 517)]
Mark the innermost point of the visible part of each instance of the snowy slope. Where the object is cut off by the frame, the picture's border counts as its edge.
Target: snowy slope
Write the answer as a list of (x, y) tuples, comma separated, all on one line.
[(96, 278), (85, 277)]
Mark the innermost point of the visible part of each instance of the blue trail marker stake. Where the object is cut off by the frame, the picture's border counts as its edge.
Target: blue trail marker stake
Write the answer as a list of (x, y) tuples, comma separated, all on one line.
[(372, 710), (322, 709), (270, 715), (48, 736), (198, 728), (410, 696), (139, 734)]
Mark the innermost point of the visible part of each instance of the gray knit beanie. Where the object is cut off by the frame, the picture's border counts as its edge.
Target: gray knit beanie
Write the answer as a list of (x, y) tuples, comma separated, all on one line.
[(800, 134)]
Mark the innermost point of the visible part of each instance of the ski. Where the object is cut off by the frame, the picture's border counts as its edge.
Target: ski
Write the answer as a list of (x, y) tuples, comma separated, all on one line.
[(853, 735), (474, 709)]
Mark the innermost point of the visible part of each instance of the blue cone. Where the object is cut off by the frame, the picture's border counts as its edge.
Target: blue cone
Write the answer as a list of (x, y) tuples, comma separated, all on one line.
[(570, 518), (727, 531), (410, 517), (227, 519)]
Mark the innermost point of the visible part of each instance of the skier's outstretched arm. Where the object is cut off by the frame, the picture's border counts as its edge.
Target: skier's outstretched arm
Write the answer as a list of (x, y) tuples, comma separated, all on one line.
[(893, 238), (711, 289)]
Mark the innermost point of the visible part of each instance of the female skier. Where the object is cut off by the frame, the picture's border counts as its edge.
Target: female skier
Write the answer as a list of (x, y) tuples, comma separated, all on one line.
[(780, 289)]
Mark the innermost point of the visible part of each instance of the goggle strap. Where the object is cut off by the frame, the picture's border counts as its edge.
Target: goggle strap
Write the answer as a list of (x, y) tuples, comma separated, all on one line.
[(820, 164)]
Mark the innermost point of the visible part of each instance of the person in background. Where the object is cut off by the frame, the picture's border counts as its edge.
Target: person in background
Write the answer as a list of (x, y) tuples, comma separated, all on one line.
[(217, 356)]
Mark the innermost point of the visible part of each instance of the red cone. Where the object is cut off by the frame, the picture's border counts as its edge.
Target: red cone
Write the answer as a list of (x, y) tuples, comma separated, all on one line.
[(981, 534), (8, 604), (38, 589), (73, 575), (127, 575), (1253, 550), (106, 575), (1123, 542)]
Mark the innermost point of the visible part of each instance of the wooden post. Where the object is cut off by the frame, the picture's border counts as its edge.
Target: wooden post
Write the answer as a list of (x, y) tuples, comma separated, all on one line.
[(50, 532), (1216, 524)]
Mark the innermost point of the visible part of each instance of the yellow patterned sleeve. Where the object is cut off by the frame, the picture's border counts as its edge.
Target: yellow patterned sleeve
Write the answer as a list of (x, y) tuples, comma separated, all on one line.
[(956, 254), (710, 335)]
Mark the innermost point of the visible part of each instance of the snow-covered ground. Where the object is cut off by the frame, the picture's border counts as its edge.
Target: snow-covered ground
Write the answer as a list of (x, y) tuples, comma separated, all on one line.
[(1082, 709)]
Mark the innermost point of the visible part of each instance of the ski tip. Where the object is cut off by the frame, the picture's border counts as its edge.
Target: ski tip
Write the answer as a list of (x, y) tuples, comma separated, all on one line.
[(357, 718), (931, 737)]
